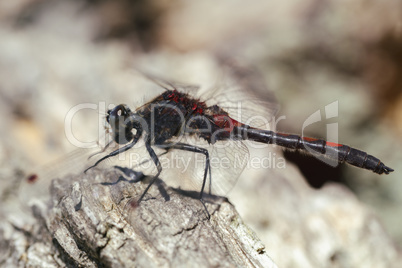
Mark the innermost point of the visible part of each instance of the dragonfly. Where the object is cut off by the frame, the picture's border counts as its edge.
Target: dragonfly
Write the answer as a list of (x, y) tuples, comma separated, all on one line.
[(176, 121)]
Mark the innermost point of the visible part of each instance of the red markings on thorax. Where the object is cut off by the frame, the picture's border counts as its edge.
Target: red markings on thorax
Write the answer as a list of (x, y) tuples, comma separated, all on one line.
[(176, 96), (193, 104)]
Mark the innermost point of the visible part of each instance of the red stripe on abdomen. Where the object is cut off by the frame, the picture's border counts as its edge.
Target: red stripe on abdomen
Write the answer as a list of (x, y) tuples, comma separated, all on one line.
[(333, 144)]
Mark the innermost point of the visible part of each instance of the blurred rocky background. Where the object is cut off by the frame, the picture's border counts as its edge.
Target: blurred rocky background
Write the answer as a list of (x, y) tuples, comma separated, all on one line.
[(58, 54)]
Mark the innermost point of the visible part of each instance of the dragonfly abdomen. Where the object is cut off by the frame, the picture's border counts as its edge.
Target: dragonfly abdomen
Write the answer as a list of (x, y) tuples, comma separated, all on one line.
[(335, 151)]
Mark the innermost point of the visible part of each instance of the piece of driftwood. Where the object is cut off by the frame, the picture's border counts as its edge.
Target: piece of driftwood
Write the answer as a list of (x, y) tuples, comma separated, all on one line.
[(93, 220)]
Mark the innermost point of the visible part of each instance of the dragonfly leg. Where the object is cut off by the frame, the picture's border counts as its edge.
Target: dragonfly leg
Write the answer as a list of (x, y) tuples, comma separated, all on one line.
[(154, 158), (195, 149), (101, 151), (114, 153)]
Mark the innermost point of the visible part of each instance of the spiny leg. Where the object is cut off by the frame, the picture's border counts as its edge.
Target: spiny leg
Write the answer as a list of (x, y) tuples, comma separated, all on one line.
[(192, 148)]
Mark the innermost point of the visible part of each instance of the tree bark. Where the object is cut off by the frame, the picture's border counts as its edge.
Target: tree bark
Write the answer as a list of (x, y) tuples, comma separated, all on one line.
[(93, 220)]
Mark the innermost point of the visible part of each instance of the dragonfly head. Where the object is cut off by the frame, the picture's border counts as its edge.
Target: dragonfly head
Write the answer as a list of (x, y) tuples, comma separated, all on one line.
[(123, 123)]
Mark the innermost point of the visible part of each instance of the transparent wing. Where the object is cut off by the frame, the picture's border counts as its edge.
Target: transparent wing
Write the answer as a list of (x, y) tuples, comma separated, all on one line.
[(242, 93), (239, 90), (37, 182), (170, 85), (227, 163), (185, 170)]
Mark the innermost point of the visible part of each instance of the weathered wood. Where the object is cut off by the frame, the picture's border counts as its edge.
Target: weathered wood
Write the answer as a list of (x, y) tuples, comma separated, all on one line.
[(92, 220)]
